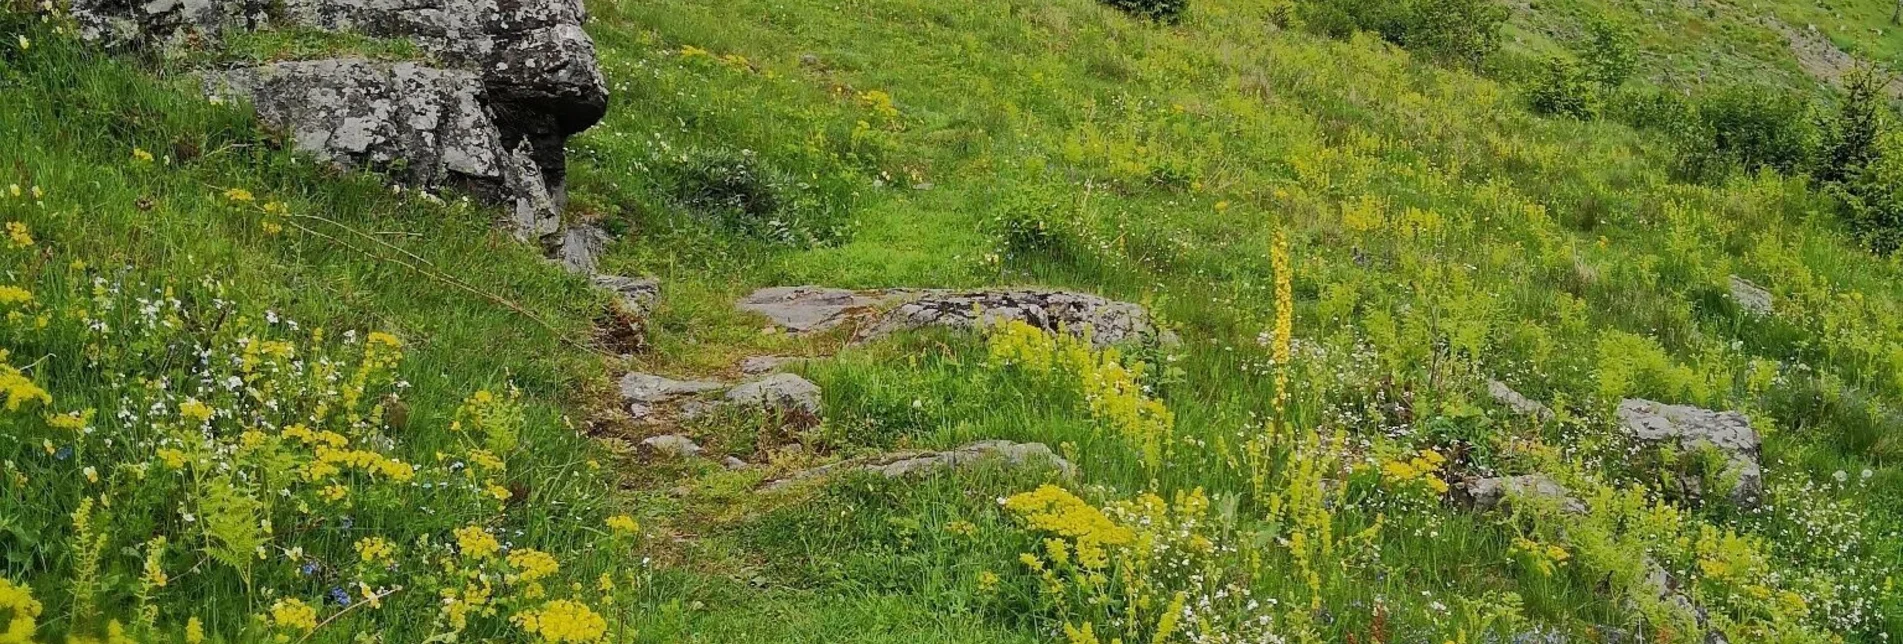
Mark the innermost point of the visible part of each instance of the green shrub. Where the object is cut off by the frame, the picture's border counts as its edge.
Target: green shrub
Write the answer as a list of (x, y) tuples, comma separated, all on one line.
[(1750, 129), (1608, 55), (1858, 128), (1565, 88), (1170, 11), (1455, 31), (1871, 199)]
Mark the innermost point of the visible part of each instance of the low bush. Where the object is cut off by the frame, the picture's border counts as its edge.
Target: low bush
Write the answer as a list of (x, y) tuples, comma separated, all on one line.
[(740, 191), (1565, 88), (1170, 11), (1455, 31)]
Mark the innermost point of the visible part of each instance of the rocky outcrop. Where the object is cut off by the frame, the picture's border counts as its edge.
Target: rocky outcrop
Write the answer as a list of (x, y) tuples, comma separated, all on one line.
[(1692, 428), (921, 463), (805, 309), (1104, 321), (509, 81)]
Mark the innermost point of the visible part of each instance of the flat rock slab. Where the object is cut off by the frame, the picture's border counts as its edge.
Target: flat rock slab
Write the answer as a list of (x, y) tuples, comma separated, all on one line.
[(1104, 321), (671, 445), (1693, 428), (920, 463), (783, 392), (802, 309), (647, 388), (636, 295), (756, 365), (1520, 404), (807, 309), (1499, 493)]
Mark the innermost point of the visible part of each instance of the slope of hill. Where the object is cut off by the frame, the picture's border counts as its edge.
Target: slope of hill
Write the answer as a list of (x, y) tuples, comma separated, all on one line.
[(1422, 333)]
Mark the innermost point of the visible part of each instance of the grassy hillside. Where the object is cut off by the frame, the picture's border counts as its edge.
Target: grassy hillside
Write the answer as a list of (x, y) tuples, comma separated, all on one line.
[(1350, 239)]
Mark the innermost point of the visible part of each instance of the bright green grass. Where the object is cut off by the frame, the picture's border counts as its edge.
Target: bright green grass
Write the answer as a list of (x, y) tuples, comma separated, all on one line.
[(1442, 235)]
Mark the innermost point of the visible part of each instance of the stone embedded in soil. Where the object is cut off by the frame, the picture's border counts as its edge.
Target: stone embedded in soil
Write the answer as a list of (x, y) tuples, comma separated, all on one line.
[(783, 392), (636, 295), (1693, 428), (1752, 298), (650, 389), (1499, 493), (756, 365), (1520, 404), (1104, 321), (920, 463), (733, 463), (805, 309), (671, 445)]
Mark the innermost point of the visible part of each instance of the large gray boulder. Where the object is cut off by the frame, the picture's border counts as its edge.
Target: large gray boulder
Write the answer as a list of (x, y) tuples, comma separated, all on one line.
[(536, 83), (1693, 428), (1500, 493)]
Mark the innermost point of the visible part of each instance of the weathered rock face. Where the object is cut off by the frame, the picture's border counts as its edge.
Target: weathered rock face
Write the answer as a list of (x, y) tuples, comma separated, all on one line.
[(1752, 298), (1520, 404), (1692, 428), (1106, 321), (781, 392), (518, 77), (803, 309)]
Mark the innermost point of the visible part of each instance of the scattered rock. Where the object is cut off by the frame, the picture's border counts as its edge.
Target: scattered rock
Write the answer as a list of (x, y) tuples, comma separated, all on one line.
[(671, 445), (1693, 428), (640, 411), (756, 365), (782, 392), (733, 463), (900, 464), (1105, 321), (805, 309), (1499, 493), (1752, 298), (650, 388), (579, 248), (638, 295), (1519, 404)]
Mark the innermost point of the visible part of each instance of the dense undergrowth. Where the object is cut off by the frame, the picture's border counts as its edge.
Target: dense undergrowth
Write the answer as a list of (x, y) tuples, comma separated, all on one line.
[(1352, 232)]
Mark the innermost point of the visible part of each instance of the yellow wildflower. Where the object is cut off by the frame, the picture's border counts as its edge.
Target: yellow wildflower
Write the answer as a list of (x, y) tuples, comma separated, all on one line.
[(239, 195), (18, 235), (987, 581), (195, 411), (375, 549), (141, 155), (293, 614), (194, 631), (531, 564), (564, 620), (154, 562), (476, 543), (15, 295), (18, 600), (622, 523)]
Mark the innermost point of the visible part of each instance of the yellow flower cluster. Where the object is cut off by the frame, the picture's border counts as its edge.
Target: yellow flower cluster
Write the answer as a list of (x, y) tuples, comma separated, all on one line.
[(18, 388), (624, 524), (18, 235), (1545, 558), (293, 614), (564, 620), (22, 610), (331, 461), (531, 564), (1423, 468), (476, 543), (375, 549), (1113, 390)]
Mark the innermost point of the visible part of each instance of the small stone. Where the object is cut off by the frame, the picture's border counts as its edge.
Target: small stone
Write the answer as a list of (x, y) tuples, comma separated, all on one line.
[(638, 295), (1499, 493), (1752, 298), (649, 388), (757, 365), (1104, 321), (671, 445), (1519, 404), (733, 463), (783, 392), (640, 410)]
